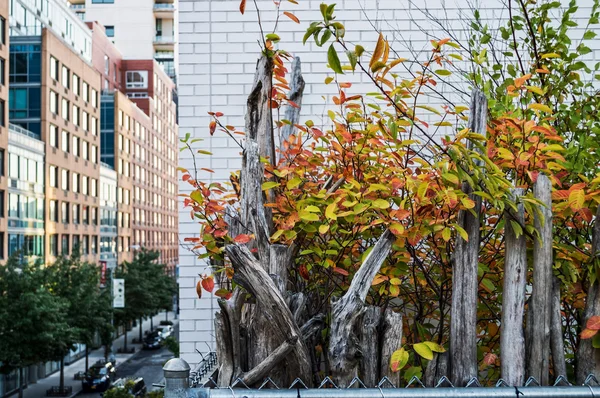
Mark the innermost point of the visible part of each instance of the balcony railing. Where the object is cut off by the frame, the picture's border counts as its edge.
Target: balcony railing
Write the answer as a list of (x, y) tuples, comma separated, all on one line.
[(21, 130), (78, 6), (164, 7), (164, 40)]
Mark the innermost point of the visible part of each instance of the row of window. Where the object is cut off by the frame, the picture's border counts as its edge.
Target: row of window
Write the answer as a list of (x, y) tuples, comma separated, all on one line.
[(73, 82), (150, 238), (76, 145), (25, 207), (24, 169), (72, 113), (154, 218), (87, 244), (78, 183)]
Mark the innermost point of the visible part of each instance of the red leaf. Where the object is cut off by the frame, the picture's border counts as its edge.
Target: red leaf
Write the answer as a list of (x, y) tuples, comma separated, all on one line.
[(223, 293), (593, 323), (199, 289), (242, 238), (303, 272), (340, 271), (489, 358), (212, 126), (243, 6), (291, 16), (588, 334), (219, 114), (208, 284)]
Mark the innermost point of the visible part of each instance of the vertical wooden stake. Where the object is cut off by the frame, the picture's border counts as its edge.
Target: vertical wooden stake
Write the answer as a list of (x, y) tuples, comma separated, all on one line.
[(463, 322), (512, 339), (538, 361)]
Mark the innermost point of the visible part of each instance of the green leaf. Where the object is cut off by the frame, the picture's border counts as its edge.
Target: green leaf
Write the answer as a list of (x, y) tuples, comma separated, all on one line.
[(413, 371), (334, 61), (596, 341), (273, 37), (488, 284), (307, 216), (330, 211), (326, 36), (359, 50), (381, 204), (589, 35), (443, 72), (423, 350), (312, 209), (516, 227), (269, 185), (352, 58), (446, 234), (294, 183)]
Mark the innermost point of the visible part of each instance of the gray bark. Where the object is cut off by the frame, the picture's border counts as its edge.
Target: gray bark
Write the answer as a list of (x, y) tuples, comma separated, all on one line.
[(344, 350), (391, 341), (512, 339), (436, 369), (369, 343), (538, 361), (588, 357), (463, 322), (557, 343), (259, 119), (292, 114), (224, 349)]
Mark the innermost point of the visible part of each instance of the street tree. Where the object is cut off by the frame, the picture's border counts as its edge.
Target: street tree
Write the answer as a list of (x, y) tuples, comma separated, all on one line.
[(33, 320)]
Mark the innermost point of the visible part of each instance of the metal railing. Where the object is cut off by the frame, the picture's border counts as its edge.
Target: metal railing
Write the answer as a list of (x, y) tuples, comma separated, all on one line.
[(164, 7), (77, 6), (180, 382), (164, 39), (21, 130)]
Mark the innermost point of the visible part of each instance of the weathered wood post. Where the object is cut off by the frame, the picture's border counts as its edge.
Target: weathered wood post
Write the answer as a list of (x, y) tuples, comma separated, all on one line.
[(463, 322), (540, 314), (588, 357), (512, 339)]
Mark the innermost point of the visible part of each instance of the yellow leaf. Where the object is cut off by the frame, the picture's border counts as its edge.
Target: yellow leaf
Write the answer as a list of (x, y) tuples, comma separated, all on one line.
[(446, 234), (294, 183), (395, 281), (323, 229), (550, 55), (540, 107), (269, 184), (463, 234), (397, 228), (434, 346), (536, 90), (306, 216), (468, 203), (423, 350), (576, 199), (330, 211), (312, 209), (381, 204), (398, 360), (451, 178)]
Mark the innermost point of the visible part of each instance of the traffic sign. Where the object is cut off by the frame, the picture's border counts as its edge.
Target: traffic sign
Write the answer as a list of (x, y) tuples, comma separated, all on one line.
[(118, 293)]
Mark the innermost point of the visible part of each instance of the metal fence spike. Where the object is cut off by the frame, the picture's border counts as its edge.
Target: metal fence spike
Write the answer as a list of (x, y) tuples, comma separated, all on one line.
[(473, 382), (326, 381), (357, 380), (562, 381), (591, 377), (532, 381), (444, 380), (415, 380), (210, 380), (384, 381), (298, 381), (502, 383), (268, 380), (239, 381)]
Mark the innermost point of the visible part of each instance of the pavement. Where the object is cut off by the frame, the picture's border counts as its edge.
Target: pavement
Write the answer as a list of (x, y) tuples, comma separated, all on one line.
[(38, 389)]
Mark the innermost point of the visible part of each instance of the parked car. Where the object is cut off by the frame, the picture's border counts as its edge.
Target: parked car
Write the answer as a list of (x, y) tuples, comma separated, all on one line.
[(135, 387), (165, 331), (153, 340), (98, 377)]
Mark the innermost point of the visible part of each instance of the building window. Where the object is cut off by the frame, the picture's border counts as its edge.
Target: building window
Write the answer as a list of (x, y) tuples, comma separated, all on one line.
[(64, 246), (65, 141), (53, 210), (85, 215), (76, 84), (64, 212), (75, 148), (54, 68), (76, 115), (65, 109), (2, 113), (54, 176), (85, 150), (2, 30), (103, 1), (136, 79), (2, 162), (75, 218), (65, 180), (85, 121), (54, 102), (85, 244), (94, 125), (24, 102), (75, 185), (85, 92), (94, 98), (94, 245), (2, 71), (53, 136), (54, 245), (94, 154), (95, 216), (84, 185), (65, 77), (25, 63), (110, 30), (93, 189), (106, 65)]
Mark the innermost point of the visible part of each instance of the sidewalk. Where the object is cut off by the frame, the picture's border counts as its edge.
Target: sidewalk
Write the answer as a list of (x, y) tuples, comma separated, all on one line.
[(38, 389)]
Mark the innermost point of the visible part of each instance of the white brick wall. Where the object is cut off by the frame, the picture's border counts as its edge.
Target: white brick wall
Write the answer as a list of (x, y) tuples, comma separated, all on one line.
[(218, 52)]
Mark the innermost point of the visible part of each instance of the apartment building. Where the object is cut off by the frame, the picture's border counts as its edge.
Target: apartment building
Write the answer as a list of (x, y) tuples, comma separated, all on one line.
[(141, 29), (4, 61)]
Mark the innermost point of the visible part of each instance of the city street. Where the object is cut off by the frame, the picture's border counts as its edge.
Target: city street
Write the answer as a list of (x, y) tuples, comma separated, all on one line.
[(147, 364)]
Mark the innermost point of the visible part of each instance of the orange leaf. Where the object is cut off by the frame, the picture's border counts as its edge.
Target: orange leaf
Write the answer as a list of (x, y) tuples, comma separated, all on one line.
[(489, 358), (520, 80), (593, 323), (291, 16), (340, 271), (212, 126), (303, 272), (199, 289), (588, 334), (243, 6), (208, 284), (242, 238)]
